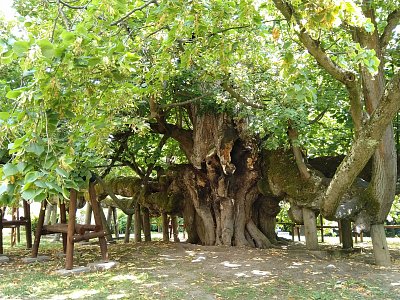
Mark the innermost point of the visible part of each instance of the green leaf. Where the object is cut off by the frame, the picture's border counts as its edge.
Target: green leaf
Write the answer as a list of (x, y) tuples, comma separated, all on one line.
[(29, 194), (40, 196), (32, 176), (21, 166), (14, 94), (21, 47), (62, 172), (10, 169), (4, 115), (47, 48), (35, 148), (68, 37), (41, 184)]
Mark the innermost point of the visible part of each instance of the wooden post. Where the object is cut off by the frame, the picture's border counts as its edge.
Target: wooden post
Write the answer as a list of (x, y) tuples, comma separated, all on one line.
[(1, 231), (105, 223), (115, 221), (28, 224), (175, 231), (321, 221), (138, 223), (63, 220), (310, 224), (39, 228), (18, 229), (109, 216), (97, 218), (340, 231), (146, 225), (69, 257), (347, 239), (128, 228), (165, 225), (13, 229)]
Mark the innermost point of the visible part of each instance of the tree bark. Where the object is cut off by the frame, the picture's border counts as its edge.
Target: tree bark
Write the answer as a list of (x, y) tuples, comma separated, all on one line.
[(128, 228), (138, 223), (310, 224), (146, 225), (175, 228), (379, 244), (347, 238), (165, 226)]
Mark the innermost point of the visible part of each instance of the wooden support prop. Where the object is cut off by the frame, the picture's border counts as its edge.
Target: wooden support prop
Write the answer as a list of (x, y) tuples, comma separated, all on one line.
[(97, 218), (69, 258), (28, 225), (128, 228), (90, 235), (63, 220), (39, 228), (105, 224), (115, 222), (1, 231)]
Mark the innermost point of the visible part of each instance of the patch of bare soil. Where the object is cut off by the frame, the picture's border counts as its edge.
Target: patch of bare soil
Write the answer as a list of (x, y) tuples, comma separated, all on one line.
[(205, 270)]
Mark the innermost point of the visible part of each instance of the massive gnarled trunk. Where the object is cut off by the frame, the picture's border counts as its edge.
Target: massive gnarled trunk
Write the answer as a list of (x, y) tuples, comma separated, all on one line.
[(221, 183)]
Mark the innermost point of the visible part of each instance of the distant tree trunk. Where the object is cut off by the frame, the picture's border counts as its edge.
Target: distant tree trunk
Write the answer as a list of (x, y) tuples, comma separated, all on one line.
[(128, 228), (347, 238), (175, 228), (138, 223), (105, 225), (165, 226), (88, 217), (146, 225)]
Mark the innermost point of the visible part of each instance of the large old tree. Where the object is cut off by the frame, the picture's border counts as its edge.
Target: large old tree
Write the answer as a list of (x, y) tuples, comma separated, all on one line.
[(220, 98)]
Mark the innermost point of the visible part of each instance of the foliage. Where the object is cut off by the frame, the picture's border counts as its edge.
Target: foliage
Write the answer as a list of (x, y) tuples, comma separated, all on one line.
[(79, 78)]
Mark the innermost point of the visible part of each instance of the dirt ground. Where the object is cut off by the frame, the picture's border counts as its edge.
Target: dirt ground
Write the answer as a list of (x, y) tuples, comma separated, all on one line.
[(158, 270)]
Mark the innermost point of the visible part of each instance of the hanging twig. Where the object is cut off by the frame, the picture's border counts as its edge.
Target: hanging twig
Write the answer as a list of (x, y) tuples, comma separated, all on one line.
[(134, 10)]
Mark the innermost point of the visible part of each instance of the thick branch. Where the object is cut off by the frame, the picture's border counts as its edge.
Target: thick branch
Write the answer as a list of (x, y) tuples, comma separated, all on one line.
[(182, 136), (314, 48), (239, 98), (293, 136), (132, 11), (195, 99), (393, 21), (363, 148), (117, 201), (151, 166)]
